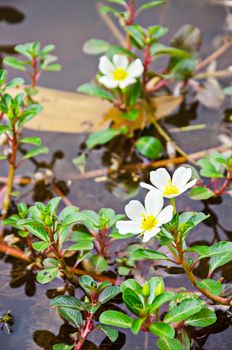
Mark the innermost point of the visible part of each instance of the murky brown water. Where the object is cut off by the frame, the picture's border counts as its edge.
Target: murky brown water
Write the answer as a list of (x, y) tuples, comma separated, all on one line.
[(68, 24)]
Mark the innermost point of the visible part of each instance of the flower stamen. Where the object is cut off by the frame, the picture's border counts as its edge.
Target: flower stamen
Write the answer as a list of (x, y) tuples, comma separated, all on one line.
[(170, 189), (148, 222), (120, 74)]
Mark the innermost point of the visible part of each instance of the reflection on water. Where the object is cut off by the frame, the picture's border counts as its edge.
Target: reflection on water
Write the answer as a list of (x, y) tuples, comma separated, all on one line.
[(10, 15), (36, 325)]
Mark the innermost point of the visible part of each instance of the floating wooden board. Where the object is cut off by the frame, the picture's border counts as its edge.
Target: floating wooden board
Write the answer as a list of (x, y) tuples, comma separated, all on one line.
[(71, 112), (68, 112)]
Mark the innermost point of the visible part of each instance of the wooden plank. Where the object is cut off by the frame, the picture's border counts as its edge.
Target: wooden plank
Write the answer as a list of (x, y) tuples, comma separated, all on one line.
[(68, 112)]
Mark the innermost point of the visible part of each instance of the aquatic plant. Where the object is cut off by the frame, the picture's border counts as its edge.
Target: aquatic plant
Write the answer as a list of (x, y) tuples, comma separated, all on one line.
[(59, 242), (140, 94), (18, 109), (14, 114)]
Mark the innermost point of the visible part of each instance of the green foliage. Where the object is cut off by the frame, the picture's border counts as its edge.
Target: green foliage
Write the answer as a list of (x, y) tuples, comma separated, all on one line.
[(78, 312), (34, 56), (95, 46), (101, 137), (150, 147), (144, 303), (94, 90)]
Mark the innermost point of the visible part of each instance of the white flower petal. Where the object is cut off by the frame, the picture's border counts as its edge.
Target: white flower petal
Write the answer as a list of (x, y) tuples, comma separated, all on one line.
[(154, 203), (136, 68), (108, 82), (106, 66), (125, 227), (134, 210), (188, 185), (181, 176), (159, 178), (150, 234), (165, 215), (128, 81), (149, 187), (120, 61)]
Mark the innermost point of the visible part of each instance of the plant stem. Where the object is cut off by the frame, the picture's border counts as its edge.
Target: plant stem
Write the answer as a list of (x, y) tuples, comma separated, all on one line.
[(167, 138), (173, 203), (11, 173), (193, 279)]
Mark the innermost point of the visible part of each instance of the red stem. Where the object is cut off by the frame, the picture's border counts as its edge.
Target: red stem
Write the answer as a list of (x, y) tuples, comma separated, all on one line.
[(226, 184)]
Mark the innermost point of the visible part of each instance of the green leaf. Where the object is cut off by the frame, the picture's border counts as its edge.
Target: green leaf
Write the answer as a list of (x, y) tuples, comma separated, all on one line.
[(31, 140), (133, 301), (36, 151), (160, 49), (93, 90), (169, 344), (86, 282), (137, 324), (47, 275), (118, 50), (204, 318), (34, 228), (111, 333), (131, 115), (162, 330), (189, 220), (62, 346), (67, 211), (109, 293), (116, 318), (119, 2), (4, 129), (14, 63), (151, 4), (160, 300), (142, 254), (40, 246), (72, 315), (67, 301), (79, 236), (201, 193), (183, 311), (98, 263), (132, 284), (101, 137), (95, 46), (81, 245), (219, 260), (228, 90), (150, 147), (56, 67), (15, 82), (136, 35), (213, 286)]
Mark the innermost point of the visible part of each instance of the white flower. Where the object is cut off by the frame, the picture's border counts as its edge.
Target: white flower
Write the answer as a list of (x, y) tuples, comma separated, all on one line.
[(146, 221), (119, 73), (168, 187)]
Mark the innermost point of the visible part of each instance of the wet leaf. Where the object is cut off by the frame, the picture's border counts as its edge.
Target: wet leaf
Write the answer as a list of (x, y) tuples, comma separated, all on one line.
[(201, 193), (109, 293), (142, 254), (116, 318), (169, 344), (204, 318), (101, 137), (67, 301), (72, 315), (47, 275), (150, 147), (95, 46), (162, 330), (183, 311), (93, 90), (111, 332), (213, 286)]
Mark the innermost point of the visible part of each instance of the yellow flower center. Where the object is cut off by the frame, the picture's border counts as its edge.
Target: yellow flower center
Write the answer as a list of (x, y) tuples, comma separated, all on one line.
[(120, 74), (170, 189), (148, 222)]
